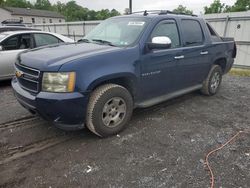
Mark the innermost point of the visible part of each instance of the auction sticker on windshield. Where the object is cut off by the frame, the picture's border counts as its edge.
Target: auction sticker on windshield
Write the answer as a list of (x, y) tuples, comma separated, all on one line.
[(136, 23)]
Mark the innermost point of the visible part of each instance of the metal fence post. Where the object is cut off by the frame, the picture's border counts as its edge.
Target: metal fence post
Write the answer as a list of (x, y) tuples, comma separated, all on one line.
[(83, 28), (226, 26), (68, 29)]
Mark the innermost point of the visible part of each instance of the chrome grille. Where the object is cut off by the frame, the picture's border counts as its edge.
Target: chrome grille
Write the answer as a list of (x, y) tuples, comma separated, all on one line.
[(28, 78)]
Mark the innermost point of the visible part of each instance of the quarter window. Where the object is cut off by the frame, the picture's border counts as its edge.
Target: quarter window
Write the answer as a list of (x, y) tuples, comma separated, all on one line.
[(168, 29), (45, 39), (211, 30), (192, 33)]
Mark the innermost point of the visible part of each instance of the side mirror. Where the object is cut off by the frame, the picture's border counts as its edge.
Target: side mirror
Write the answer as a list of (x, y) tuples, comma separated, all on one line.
[(160, 42), (1, 48)]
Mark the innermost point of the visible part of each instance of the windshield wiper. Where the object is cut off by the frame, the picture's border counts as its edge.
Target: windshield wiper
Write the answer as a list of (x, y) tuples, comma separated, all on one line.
[(84, 40), (104, 42)]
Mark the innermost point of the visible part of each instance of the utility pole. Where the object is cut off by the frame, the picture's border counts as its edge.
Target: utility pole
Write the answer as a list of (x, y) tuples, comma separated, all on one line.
[(130, 6)]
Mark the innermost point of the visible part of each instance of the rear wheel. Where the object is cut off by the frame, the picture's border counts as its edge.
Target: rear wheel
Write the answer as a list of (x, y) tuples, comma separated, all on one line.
[(212, 83), (110, 108)]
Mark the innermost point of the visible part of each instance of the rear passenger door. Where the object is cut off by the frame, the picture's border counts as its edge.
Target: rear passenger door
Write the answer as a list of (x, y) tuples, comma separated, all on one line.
[(42, 39), (193, 64)]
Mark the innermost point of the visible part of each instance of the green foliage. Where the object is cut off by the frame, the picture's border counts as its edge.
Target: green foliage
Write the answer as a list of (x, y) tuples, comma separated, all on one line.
[(43, 4), (182, 9), (17, 3), (71, 10), (240, 5), (215, 7), (218, 7), (1, 2)]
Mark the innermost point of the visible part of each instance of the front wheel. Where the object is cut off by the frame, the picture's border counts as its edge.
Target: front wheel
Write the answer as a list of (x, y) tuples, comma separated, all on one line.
[(110, 108), (212, 83)]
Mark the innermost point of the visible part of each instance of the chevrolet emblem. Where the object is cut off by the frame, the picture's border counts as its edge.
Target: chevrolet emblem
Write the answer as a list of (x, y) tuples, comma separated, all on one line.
[(19, 74)]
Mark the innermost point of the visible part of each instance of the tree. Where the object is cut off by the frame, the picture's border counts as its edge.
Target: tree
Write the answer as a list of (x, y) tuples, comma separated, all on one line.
[(113, 13), (71, 10), (215, 7), (17, 3), (218, 7), (59, 7), (1, 3), (43, 4), (181, 9), (105, 13), (127, 11), (240, 5)]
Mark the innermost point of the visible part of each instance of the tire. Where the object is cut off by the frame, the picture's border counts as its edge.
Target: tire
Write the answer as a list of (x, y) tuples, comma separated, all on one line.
[(109, 110), (212, 83)]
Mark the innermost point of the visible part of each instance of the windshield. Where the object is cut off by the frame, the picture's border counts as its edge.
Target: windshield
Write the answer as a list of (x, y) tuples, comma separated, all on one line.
[(117, 32), (2, 36)]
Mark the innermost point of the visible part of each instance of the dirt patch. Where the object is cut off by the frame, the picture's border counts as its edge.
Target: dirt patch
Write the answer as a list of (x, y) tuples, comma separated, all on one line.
[(240, 72), (163, 146)]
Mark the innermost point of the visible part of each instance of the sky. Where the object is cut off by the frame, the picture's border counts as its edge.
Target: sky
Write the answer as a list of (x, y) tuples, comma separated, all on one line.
[(120, 5)]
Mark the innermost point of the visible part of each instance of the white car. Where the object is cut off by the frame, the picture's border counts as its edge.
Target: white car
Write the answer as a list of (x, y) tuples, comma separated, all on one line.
[(14, 42)]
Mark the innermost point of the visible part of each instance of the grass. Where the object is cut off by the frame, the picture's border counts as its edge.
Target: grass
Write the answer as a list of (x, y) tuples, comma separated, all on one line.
[(240, 72)]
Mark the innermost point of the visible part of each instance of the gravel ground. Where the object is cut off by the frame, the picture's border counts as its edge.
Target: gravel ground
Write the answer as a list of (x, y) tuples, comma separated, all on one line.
[(163, 146)]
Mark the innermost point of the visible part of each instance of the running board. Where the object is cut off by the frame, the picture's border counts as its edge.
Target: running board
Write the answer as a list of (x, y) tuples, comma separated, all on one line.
[(162, 98)]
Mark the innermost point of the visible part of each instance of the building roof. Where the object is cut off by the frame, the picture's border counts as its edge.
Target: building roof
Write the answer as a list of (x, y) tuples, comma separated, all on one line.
[(33, 12)]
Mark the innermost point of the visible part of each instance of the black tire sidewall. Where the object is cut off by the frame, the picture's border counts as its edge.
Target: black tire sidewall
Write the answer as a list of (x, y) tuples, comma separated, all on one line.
[(100, 127), (215, 70)]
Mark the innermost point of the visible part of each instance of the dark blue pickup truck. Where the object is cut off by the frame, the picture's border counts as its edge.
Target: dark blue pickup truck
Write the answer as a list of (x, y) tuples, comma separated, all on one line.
[(126, 62)]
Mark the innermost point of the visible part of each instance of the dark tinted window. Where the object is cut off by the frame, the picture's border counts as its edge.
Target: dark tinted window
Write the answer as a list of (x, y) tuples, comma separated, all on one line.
[(11, 43), (25, 41), (211, 30), (168, 29), (45, 39), (17, 42), (192, 33)]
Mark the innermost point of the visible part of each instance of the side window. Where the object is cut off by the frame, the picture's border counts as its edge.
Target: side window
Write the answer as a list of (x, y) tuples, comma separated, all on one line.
[(11, 43), (168, 29), (45, 39), (25, 41), (192, 33)]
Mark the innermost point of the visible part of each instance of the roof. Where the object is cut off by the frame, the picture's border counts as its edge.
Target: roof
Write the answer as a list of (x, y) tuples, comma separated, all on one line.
[(23, 32), (159, 16), (65, 39), (33, 12)]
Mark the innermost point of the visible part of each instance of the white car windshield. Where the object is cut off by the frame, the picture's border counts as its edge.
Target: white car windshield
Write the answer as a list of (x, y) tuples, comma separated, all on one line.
[(2, 36), (117, 31)]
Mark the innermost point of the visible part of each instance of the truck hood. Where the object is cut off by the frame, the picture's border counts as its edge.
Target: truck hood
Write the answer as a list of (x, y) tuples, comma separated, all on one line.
[(51, 58)]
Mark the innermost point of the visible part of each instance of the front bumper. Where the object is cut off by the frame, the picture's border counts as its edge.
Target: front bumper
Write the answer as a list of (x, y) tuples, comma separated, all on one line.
[(65, 110)]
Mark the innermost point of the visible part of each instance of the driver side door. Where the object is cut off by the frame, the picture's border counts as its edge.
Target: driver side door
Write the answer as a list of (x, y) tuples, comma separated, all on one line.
[(159, 66)]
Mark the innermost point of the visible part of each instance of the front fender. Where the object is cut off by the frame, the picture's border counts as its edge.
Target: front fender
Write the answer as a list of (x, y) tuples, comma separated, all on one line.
[(131, 78)]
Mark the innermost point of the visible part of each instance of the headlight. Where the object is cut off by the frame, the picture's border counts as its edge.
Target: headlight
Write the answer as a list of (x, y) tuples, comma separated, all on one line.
[(59, 82)]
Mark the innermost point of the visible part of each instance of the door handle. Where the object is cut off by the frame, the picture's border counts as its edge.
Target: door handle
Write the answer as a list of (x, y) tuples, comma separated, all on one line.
[(204, 53), (179, 57)]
